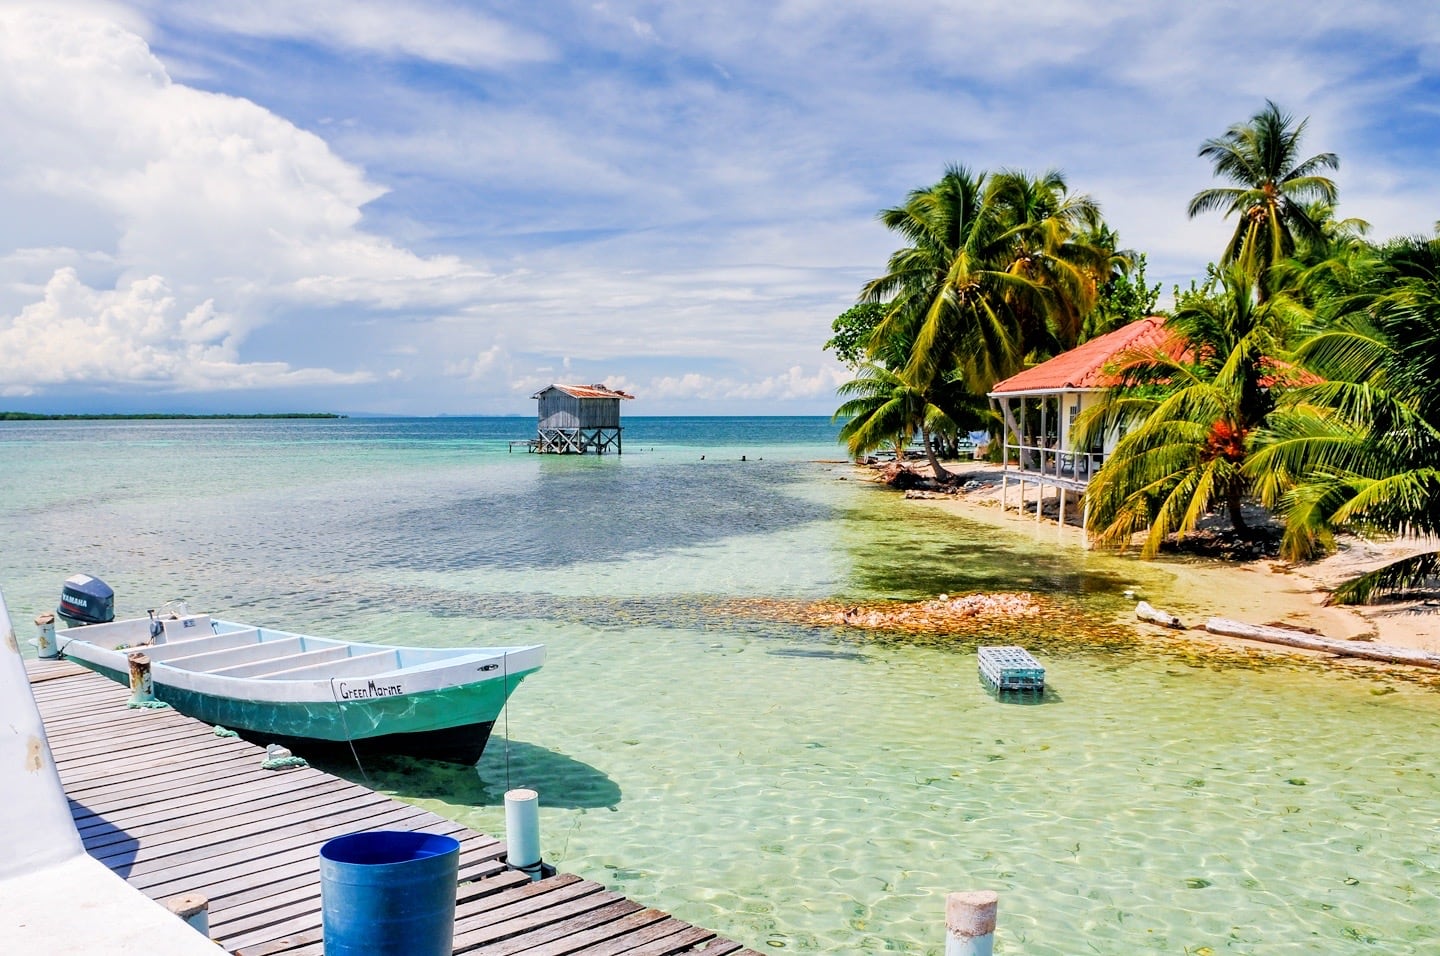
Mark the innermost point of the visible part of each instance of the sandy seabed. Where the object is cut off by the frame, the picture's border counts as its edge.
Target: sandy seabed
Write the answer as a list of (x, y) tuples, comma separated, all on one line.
[(1262, 591)]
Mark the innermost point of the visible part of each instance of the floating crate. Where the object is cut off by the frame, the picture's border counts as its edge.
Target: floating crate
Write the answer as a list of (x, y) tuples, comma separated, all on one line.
[(1011, 668)]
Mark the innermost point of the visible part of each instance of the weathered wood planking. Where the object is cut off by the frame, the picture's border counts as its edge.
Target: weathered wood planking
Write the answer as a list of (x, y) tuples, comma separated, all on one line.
[(172, 808)]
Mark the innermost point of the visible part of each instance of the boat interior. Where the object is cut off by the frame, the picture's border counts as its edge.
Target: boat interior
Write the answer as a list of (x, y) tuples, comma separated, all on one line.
[(198, 643)]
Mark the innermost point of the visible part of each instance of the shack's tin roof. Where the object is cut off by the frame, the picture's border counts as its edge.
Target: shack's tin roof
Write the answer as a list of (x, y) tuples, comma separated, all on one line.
[(584, 391)]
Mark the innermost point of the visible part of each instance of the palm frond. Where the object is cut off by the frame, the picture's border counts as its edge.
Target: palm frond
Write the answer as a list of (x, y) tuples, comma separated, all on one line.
[(1412, 572)]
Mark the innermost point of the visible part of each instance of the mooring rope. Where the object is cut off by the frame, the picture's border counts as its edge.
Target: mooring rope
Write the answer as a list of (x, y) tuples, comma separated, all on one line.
[(345, 725), (505, 711)]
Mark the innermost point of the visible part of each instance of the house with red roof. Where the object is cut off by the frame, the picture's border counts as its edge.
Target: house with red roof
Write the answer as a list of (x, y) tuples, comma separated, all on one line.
[(578, 419), (1040, 407)]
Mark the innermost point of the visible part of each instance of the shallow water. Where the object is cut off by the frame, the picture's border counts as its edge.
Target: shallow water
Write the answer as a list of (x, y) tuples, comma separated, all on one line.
[(798, 789)]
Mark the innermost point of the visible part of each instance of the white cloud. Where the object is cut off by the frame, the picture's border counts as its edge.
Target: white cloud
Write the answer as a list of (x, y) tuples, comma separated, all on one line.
[(477, 367), (793, 384), (674, 194), (230, 210), (136, 335), (439, 32)]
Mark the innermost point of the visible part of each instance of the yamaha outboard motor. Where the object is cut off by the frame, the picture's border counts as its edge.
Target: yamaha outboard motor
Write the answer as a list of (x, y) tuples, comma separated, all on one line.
[(86, 600)]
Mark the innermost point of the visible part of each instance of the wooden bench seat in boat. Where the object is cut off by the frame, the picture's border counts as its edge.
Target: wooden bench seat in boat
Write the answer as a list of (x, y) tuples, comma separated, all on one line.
[(279, 665), (208, 660), (360, 665), (190, 646)]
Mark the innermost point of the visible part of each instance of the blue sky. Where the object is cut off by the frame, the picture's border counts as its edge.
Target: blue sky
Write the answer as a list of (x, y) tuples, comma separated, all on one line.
[(438, 208)]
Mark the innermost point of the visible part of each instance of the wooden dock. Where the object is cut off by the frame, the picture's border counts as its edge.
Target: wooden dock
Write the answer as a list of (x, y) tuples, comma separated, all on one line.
[(172, 808)]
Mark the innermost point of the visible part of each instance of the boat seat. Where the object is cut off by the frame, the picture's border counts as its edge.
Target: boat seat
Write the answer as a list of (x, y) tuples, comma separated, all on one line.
[(359, 665), (199, 645), (281, 665), (185, 628), (256, 650)]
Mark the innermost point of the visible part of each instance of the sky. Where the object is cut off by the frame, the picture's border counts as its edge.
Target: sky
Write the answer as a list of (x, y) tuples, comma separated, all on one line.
[(438, 208)]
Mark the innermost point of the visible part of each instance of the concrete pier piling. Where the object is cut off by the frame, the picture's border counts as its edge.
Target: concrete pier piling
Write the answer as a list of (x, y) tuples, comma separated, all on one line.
[(970, 923), (142, 688), (522, 832), (193, 908), (49, 648)]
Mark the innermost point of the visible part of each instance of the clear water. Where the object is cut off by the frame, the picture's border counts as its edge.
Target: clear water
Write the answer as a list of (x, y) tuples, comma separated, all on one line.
[(801, 790)]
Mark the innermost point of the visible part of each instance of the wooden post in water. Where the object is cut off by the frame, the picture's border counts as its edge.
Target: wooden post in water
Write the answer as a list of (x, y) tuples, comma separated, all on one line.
[(142, 688), (49, 648), (970, 923), (522, 832)]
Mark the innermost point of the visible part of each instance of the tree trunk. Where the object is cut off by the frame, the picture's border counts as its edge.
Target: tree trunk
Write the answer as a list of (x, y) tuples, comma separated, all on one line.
[(1237, 515), (940, 473)]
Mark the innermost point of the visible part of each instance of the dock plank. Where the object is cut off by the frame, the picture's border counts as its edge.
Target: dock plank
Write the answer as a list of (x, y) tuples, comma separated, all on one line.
[(172, 808)]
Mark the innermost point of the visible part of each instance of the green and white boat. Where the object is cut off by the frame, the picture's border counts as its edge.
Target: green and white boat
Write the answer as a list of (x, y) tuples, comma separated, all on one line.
[(313, 692)]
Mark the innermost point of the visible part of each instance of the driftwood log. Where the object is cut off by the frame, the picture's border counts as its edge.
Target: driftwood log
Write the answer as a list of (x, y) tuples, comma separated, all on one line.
[(1310, 642), (1154, 615)]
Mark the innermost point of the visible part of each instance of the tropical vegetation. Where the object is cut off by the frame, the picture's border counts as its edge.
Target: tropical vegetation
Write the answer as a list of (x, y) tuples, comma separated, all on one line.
[(1303, 372), (997, 269)]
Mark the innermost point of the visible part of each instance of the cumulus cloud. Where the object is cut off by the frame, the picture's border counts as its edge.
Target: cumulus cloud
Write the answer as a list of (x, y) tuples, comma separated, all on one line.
[(206, 214), (477, 367), (135, 335), (792, 384), (679, 196)]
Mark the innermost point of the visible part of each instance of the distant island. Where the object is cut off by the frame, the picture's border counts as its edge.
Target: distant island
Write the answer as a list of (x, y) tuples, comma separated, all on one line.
[(36, 417)]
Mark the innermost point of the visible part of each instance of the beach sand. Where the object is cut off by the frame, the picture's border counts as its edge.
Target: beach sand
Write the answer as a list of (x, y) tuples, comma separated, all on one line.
[(1262, 591)]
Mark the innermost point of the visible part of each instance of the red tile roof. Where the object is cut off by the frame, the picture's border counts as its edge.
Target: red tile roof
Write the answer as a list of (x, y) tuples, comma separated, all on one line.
[(585, 391), (1084, 367)]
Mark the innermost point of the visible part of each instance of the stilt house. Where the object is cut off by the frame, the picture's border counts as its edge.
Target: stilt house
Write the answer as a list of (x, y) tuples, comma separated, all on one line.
[(1039, 408), (578, 419)]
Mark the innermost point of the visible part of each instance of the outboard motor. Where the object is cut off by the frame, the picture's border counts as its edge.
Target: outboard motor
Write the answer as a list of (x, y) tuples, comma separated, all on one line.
[(86, 600)]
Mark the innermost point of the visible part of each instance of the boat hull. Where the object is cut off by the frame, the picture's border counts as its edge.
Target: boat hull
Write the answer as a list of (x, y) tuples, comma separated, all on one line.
[(444, 712), (463, 744)]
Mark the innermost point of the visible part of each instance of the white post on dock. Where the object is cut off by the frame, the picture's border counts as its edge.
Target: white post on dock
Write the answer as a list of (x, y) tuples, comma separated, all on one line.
[(522, 832), (193, 908), (142, 688), (970, 923), (49, 647)]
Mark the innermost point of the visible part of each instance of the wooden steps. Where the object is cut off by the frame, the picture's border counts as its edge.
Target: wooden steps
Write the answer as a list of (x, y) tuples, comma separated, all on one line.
[(172, 808)]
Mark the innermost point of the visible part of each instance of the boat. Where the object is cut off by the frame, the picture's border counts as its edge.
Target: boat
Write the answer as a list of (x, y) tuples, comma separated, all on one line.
[(310, 694)]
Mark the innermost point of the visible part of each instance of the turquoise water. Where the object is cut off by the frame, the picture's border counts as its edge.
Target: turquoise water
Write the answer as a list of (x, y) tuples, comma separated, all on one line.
[(799, 789)]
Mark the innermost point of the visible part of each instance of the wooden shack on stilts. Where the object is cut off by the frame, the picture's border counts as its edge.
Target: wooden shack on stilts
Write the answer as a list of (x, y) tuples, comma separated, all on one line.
[(578, 420)]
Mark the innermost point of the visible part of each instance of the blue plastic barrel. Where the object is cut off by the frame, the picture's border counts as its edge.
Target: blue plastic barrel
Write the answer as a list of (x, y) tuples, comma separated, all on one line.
[(389, 893)]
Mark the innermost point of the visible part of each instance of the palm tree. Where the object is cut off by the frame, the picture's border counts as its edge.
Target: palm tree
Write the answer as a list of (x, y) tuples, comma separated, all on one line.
[(885, 409), (1272, 190), (1197, 405), (882, 408), (995, 268), (1060, 242), (1362, 450), (950, 292)]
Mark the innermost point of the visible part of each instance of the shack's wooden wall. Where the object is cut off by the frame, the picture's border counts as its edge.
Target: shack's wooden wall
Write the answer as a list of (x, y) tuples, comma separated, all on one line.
[(558, 410)]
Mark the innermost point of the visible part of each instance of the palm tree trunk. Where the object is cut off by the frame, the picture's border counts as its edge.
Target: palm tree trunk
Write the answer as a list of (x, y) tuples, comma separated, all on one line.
[(940, 473), (1232, 502)]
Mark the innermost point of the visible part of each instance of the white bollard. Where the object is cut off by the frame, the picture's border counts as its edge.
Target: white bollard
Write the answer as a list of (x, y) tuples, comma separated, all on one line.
[(49, 647), (193, 908), (142, 688), (522, 832), (970, 923)]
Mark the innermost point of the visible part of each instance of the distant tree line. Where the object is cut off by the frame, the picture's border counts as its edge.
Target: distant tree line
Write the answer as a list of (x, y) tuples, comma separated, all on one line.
[(147, 416)]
